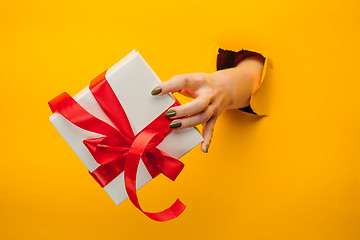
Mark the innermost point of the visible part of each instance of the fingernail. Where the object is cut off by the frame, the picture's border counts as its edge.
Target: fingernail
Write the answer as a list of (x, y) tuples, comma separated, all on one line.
[(207, 149), (175, 124), (156, 91), (170, 113)]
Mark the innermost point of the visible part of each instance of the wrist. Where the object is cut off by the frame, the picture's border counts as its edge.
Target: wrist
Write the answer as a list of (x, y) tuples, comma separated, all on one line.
[(253, 67), (240, 82)]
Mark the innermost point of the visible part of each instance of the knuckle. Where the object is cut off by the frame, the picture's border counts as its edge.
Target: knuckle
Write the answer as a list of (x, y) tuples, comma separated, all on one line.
[(202, 103), (205, 116), (208, 115), (210, 111), (212, 93), (184, 80)]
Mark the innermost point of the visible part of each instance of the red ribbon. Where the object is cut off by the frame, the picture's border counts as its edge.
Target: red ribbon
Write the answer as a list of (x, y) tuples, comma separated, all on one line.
[(120, 150)]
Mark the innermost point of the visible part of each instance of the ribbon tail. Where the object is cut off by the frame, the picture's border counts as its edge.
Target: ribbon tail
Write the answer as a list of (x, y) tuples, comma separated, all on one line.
[(131, 166), (168, 214), (169, 166)]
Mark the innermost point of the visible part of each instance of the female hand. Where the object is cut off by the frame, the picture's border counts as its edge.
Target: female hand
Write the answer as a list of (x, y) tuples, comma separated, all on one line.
[(213, 93)]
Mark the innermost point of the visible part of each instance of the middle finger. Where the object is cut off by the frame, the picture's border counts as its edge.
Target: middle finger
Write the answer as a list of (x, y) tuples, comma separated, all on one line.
[(196, 106)]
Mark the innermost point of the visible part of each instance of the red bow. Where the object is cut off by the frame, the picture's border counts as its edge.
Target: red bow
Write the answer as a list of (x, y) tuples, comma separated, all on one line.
[(120, 150)]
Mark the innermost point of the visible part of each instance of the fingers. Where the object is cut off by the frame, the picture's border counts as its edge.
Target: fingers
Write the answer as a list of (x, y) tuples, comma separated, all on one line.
[(206, 117), (199, 111), (177, 83), (208, 130), (198, 105), (193, 120)]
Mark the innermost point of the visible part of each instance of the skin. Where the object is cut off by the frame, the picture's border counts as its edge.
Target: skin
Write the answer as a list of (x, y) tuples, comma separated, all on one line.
[(213, 93)]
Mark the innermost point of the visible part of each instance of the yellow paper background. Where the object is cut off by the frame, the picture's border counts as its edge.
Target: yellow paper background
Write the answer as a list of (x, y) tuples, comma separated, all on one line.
[(292, 175)]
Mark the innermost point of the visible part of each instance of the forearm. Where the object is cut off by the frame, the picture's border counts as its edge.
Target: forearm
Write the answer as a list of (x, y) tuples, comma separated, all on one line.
[(241, 81)]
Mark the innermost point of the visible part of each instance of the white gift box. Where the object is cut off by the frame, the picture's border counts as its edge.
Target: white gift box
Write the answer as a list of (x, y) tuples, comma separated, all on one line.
[(132, 80)]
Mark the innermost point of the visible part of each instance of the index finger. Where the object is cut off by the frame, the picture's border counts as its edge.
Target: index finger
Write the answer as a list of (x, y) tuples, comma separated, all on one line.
[(176, 83)]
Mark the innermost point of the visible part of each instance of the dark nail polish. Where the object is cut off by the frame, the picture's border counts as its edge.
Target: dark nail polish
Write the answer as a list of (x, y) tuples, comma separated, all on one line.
[(207, 149), (156, 91), (175, 124), (170, 113)]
